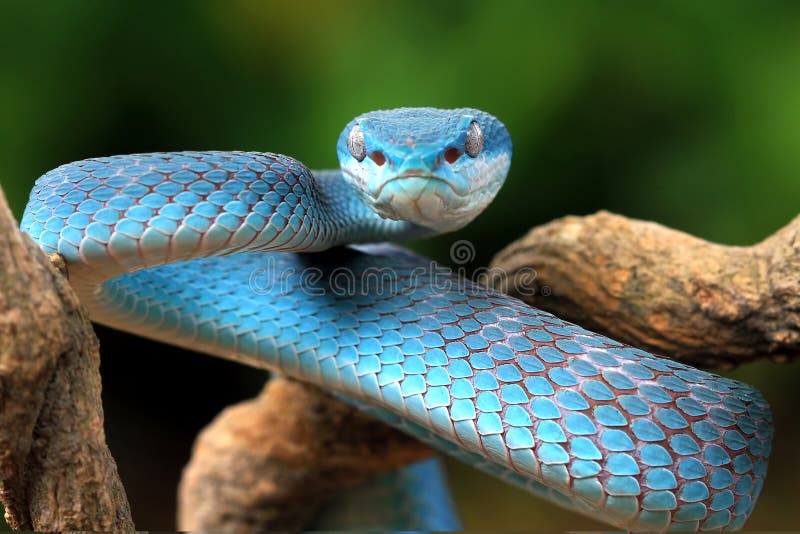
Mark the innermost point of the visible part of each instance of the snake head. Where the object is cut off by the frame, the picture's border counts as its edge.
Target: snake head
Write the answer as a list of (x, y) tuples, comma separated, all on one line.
[(434, 167)]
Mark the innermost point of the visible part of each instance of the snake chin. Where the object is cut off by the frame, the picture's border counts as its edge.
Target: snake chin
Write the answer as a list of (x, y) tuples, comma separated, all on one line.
[(427, 201)]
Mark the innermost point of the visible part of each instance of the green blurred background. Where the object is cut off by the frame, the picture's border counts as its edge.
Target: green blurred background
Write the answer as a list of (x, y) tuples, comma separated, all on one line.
[(686, 113)]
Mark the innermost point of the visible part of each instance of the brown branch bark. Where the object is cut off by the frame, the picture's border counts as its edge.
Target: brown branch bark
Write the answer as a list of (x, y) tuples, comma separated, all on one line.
[(271, 463), (661, 289), (56, 472)]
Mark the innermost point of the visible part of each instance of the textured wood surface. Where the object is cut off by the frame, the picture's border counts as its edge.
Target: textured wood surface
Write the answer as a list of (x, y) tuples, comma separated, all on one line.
[(271, 463), (663, 290), (56, 472)]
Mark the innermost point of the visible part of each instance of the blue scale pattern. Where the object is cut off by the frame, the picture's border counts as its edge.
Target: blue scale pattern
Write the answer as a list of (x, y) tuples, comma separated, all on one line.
[(609, 430), (519, 424)]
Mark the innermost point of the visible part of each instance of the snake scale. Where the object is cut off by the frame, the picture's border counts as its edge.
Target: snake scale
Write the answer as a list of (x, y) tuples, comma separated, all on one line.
[(252, 257)]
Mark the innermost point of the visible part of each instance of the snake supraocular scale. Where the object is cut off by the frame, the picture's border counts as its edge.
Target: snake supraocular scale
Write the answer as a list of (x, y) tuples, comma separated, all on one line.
[(228, 253)]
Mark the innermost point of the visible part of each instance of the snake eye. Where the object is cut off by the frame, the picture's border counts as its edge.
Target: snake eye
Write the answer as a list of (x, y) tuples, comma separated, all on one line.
[(474, 143), (355, 143)]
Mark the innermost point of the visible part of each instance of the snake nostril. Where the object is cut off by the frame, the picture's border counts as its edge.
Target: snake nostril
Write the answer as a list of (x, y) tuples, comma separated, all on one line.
[(451, 155), (378, 157)]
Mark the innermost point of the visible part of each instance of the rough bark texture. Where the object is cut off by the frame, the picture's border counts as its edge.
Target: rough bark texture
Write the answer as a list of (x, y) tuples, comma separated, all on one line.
[(56, 472), (270, 463), (661, 289)]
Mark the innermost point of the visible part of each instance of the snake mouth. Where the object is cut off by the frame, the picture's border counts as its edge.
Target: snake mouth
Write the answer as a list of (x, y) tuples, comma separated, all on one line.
[(411, 175)]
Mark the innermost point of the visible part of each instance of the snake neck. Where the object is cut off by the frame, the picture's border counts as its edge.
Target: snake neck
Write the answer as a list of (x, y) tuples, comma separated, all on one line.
[(353, 221)]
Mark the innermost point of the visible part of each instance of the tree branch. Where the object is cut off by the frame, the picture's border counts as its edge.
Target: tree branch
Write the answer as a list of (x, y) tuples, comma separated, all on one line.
[(661, 289), (56, 472), (271, 463)]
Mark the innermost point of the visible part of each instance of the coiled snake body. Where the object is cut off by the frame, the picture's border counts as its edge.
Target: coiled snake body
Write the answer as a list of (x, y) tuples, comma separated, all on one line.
[(237, 254)]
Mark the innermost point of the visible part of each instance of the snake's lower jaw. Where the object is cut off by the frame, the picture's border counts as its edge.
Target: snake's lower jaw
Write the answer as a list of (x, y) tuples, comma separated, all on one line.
[(428, 202)]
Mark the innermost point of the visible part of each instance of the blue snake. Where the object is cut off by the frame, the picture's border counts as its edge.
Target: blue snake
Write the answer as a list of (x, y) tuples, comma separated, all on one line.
[(251, 256)]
